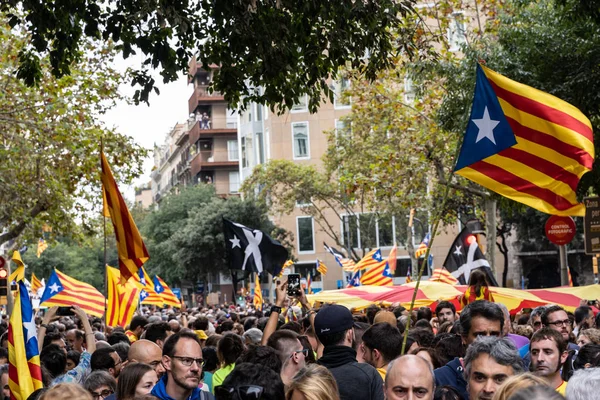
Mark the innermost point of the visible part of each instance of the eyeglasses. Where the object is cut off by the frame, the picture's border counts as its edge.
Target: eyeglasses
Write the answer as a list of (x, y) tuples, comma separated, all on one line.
[(565, 322), (188, 361), (303, 351), (537, 323), (102, 395), (249, 392)]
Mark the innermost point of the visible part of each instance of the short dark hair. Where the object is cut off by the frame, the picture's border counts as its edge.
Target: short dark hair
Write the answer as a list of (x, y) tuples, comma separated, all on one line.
[(211, 359), (480, 308), (74, 356), (157, 331), (102, 360), (226, 326), (384, 338), (371, 311), (547, 333), (449, 347), (581, 313), (54, 359), (201, 324), (281, 342), (250, 322), (398, 311), (259, 375), (444, 304), (138, 321), (550, 310), (424, 313), (122, 350), (230, 347), (588, 353), (51, 337), (169, 346), (292, 326), (424, 337), (78, 334), (263, 355), (116, 337)]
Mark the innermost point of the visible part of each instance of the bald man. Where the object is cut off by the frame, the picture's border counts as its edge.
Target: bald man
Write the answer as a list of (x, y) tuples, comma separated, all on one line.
[(147, 352), (409, 376)]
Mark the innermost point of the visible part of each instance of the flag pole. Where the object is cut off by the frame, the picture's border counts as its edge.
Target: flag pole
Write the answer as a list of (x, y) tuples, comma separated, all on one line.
[(104, 233)]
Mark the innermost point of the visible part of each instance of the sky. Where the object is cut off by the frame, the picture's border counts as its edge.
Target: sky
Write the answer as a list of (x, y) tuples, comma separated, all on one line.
[(149, 124)]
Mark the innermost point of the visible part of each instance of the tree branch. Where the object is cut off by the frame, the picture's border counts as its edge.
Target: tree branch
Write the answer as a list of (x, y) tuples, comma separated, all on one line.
[(20, 227)]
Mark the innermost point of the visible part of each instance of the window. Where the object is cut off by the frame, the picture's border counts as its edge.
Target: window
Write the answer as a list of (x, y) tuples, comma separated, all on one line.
[(232, 150), (350, 230), (259, 113), (385, 231), (231, 119), (456, 31), (234, 181), (306, 268), (366, 230), (244, 155), (305, 232), (300, 140), (402, 266), (340, 87), (409, 91), (260, 148), (301, 106)]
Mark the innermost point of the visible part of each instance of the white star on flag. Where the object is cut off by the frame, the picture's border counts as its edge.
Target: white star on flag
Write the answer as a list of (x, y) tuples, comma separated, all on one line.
[(486, 127), (235, 242), (54, 288), (30, 329), (157, 288), (457, 251)]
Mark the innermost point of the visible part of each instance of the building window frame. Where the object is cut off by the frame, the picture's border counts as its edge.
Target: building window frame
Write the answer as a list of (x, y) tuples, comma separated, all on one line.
[(293, 126), (301, 106), (312, 225), (233, 153), (234, 188)]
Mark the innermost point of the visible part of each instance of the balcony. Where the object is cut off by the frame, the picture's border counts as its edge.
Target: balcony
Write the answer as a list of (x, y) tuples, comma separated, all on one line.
[(194, 68), (212, 159), (206, 128), (201, 96), (183, 139)]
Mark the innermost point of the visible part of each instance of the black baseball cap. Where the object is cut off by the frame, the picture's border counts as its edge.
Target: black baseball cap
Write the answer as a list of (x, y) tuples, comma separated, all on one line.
[(333, 318)]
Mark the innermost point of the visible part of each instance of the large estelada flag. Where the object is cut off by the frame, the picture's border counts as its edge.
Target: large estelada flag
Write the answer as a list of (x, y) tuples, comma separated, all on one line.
[(64, 291), (464, 256), (372, 258), (253, 250), (24, 371), (122, 299), (379, 273), (526, 145), (130, 246), (163, 290)]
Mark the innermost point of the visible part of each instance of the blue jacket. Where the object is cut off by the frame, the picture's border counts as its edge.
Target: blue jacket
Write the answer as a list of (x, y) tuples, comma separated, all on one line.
[(160, 391), (452, 374)]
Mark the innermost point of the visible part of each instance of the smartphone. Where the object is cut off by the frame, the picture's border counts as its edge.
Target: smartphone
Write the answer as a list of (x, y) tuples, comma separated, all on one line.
[(293, 285), (65, 311), (591, 303)]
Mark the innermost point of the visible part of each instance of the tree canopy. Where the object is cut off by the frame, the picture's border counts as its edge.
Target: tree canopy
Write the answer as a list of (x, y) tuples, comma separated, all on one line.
[(51, 137), (288, 47), (185, 235)]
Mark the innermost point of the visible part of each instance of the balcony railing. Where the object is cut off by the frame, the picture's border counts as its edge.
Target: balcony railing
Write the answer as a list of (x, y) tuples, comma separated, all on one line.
[(211, 127), (202, 95), (211, 159)]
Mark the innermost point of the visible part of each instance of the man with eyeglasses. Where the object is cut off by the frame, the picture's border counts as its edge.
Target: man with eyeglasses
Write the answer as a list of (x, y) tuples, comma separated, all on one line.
[(183, 362), (556, 317), (101, 385), (291, 353)]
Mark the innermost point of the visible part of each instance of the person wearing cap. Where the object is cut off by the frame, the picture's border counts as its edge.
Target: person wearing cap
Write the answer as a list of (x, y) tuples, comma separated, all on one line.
[(334, 327)]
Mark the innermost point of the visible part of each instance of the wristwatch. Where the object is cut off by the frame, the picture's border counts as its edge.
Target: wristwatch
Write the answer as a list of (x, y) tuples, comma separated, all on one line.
[(276, 309)]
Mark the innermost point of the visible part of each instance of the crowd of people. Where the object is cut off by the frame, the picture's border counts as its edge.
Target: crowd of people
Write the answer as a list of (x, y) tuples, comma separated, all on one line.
[(292, 350)]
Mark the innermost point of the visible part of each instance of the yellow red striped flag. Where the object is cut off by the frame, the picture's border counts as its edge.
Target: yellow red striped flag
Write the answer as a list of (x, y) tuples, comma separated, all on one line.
[(378, 275), (41, 247), (147, 296), (258, 299), (370, 259), (322, 268), (64, 291), (35, 284), (165, 292), (442, 275), (24, 371), (526, 145), (122, 300), (130, 246)]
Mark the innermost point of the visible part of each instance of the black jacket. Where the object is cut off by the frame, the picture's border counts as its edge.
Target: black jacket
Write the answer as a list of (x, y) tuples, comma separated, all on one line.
[(452, 374), (355, 380)]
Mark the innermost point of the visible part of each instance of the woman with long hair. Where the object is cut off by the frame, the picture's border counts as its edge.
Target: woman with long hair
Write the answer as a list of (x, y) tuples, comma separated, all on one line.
[(136, 379), (314, 382), (477, 290)]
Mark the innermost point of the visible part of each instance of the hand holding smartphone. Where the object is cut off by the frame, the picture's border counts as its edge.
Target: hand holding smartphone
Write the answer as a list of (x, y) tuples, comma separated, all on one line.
[(293, 285)]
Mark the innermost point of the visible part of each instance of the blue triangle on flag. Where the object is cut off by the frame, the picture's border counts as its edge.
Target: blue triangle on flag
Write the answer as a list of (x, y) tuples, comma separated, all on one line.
[(488, 131), (53, 287)]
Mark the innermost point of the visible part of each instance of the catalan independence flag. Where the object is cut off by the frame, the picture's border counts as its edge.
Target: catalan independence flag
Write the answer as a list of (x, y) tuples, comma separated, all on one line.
[(122, 299), (526, 145), (24, 371), (309, 284), (379, 275), (369, 260), (36, 284), (258, 298), (64, 291), (148, 295), (165, 292), (322, 268), (422, 249), (130, 246), (442, 275)]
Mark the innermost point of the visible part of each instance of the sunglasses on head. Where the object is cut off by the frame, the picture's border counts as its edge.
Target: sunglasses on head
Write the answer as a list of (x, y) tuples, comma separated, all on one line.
[(246, 392)]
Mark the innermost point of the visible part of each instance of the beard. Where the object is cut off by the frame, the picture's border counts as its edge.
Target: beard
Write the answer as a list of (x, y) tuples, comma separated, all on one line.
[(184, 384)]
